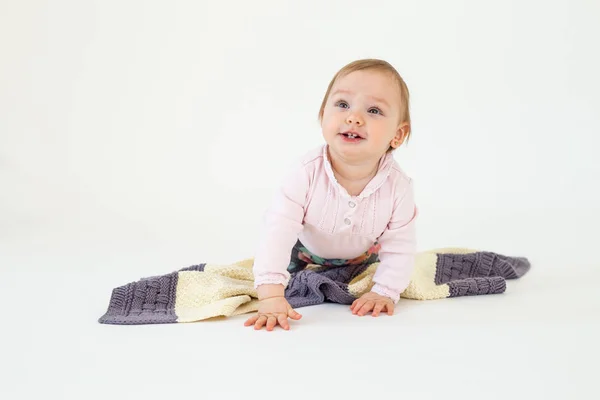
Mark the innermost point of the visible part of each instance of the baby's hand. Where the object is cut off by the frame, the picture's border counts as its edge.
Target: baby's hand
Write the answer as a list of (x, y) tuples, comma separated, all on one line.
[(372, 301), (273, 311)]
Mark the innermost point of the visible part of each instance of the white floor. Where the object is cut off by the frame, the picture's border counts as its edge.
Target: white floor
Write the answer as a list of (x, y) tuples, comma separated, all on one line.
[(539, 340), (137, 138)]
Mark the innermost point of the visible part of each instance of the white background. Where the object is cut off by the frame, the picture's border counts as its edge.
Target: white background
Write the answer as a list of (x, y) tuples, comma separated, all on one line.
[(139, 137)]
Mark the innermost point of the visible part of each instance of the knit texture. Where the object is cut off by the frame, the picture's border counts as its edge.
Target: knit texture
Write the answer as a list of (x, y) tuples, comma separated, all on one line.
[(478, 273), (205, 291), (149, 301)]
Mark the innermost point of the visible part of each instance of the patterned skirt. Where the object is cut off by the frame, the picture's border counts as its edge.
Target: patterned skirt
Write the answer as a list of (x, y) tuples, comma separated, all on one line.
[(301, 257)]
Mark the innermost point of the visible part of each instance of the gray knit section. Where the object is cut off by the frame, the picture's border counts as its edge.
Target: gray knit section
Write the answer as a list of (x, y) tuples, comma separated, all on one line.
[(478, 273), (477, 286), (510, 267), (327, 284), (148, 301), (452, 267), (199, 268)]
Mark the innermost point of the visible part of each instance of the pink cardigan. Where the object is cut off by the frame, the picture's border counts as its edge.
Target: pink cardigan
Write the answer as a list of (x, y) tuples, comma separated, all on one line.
[(312, 207)]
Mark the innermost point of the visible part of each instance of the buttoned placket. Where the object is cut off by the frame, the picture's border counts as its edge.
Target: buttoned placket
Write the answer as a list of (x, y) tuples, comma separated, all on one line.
[(349, 215), (350, 203)]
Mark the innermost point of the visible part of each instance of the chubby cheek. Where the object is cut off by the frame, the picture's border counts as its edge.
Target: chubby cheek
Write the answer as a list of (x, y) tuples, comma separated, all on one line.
[(330, 126), (382, 132)]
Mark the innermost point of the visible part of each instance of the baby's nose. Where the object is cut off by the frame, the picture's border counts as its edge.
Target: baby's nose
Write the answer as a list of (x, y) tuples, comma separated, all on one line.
[(354, 119)]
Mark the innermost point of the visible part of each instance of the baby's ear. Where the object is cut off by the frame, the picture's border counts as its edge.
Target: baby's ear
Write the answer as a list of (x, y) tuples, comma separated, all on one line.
[(401, 135), (404, 130)]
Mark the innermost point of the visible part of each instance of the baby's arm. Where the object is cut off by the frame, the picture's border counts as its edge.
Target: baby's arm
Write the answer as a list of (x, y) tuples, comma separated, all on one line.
[(398, 247), (283, 222)]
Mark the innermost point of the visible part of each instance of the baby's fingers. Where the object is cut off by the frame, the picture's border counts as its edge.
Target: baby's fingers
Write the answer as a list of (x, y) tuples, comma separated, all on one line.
[(378, 307), (282, 319), (390, 308), (368, 306), (271, 322), (358, 303), (294, 314), (260, 322), (251, 320)]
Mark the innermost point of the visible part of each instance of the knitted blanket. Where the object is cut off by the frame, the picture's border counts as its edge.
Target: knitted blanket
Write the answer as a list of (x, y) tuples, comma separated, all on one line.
[(204, 291)]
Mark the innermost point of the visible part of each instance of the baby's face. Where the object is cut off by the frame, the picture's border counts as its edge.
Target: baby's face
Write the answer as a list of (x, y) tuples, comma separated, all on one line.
[(361, 116)]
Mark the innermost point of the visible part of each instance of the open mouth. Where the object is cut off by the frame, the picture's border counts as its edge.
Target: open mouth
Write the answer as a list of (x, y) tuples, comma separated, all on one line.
[(351, 136)]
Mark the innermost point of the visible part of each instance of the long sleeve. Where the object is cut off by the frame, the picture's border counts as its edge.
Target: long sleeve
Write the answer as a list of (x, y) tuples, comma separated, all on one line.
[(398, 247), (282, 224)]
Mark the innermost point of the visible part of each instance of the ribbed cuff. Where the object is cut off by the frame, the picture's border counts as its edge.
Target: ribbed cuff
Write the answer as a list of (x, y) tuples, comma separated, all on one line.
[(387, 292), (270, 279)]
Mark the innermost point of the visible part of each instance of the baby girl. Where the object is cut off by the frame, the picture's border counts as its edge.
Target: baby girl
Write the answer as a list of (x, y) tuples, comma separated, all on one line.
[(347, 202)]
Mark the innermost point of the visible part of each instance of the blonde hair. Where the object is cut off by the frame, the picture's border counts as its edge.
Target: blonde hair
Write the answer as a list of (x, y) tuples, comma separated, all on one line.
[(377, 65)]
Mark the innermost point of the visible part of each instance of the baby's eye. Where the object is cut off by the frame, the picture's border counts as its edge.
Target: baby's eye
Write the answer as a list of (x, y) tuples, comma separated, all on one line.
[(375, 110), (341, 104)]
